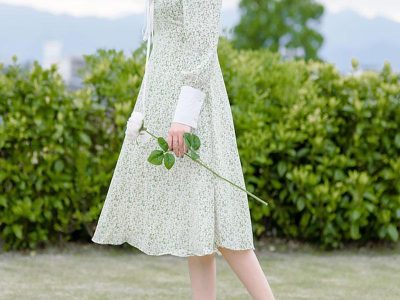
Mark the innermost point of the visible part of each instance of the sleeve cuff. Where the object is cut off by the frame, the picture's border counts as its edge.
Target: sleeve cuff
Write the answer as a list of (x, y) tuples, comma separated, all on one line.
[(189, 105)]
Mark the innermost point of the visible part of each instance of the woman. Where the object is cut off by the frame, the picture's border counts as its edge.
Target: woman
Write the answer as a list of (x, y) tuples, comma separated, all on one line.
[(185, 211)]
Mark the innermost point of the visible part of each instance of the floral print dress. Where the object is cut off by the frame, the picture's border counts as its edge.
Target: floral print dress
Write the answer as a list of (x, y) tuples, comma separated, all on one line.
[(186, 210)]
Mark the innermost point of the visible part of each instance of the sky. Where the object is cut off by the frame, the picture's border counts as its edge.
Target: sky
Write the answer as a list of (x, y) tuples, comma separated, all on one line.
[(119, 8)]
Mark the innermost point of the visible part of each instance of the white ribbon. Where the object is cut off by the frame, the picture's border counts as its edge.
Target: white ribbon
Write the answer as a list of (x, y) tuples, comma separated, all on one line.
[(147, 35)]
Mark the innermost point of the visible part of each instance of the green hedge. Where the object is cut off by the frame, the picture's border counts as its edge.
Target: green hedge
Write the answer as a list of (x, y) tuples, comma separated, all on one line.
[(322, 148), (59, 148)]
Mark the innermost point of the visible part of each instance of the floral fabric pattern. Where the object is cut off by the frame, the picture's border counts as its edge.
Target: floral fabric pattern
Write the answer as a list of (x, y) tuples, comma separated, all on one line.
[(184, 211)]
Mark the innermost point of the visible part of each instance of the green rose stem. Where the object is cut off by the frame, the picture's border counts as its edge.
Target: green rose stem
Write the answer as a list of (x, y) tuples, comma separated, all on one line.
[(215, 173), (234, 184), (145, 129)]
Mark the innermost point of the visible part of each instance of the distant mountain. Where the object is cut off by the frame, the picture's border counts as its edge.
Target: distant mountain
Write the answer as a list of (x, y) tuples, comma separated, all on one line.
[(24, 31), (372, 41)]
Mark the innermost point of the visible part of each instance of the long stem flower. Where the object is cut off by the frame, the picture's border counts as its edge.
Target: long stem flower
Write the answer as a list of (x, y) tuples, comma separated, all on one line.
[(200, 162), (135, 128)]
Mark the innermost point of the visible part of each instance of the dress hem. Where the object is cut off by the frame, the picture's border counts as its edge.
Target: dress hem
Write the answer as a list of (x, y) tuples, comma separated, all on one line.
[(170, 252)]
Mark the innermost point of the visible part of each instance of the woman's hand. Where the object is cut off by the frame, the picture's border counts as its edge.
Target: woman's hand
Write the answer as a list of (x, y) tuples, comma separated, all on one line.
[(175, 138)]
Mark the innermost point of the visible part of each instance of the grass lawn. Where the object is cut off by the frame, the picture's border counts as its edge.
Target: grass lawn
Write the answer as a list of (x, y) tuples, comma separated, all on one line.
[(111, 272)]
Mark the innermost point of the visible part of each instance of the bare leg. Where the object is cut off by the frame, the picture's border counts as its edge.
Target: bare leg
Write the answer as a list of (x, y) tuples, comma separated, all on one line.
[(247, 267), (202, 271)]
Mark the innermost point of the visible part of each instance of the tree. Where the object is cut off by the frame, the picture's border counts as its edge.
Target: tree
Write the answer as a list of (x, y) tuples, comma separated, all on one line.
[(288, 26)]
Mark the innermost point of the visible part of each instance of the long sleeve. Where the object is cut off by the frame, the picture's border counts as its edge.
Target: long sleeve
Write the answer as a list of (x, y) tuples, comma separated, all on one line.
[(201, 20)]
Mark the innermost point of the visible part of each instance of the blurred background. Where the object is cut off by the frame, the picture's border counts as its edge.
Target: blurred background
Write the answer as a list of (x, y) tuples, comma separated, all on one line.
[(62, 30), (314, 89)]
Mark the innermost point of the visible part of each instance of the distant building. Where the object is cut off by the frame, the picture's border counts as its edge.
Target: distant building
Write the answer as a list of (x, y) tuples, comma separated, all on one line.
[(67, 66), (52, 53)]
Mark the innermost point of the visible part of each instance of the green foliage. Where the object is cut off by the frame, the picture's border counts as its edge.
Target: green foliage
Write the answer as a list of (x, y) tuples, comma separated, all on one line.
[(169, 160), (322, 148), (163, 143), (192, 142), (277, 24), (58, 148), (157, 157)]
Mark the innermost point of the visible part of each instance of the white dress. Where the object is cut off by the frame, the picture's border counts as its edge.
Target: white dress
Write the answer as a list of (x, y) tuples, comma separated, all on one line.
[(186, 210)]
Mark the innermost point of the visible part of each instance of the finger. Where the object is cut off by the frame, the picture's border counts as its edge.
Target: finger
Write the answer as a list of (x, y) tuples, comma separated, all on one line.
[(184, 147), (175, 144), (180, 144), (169, 141)]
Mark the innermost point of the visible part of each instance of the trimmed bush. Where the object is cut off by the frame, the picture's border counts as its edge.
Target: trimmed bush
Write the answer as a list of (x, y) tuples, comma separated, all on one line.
[(59, 148), (322, 148)]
